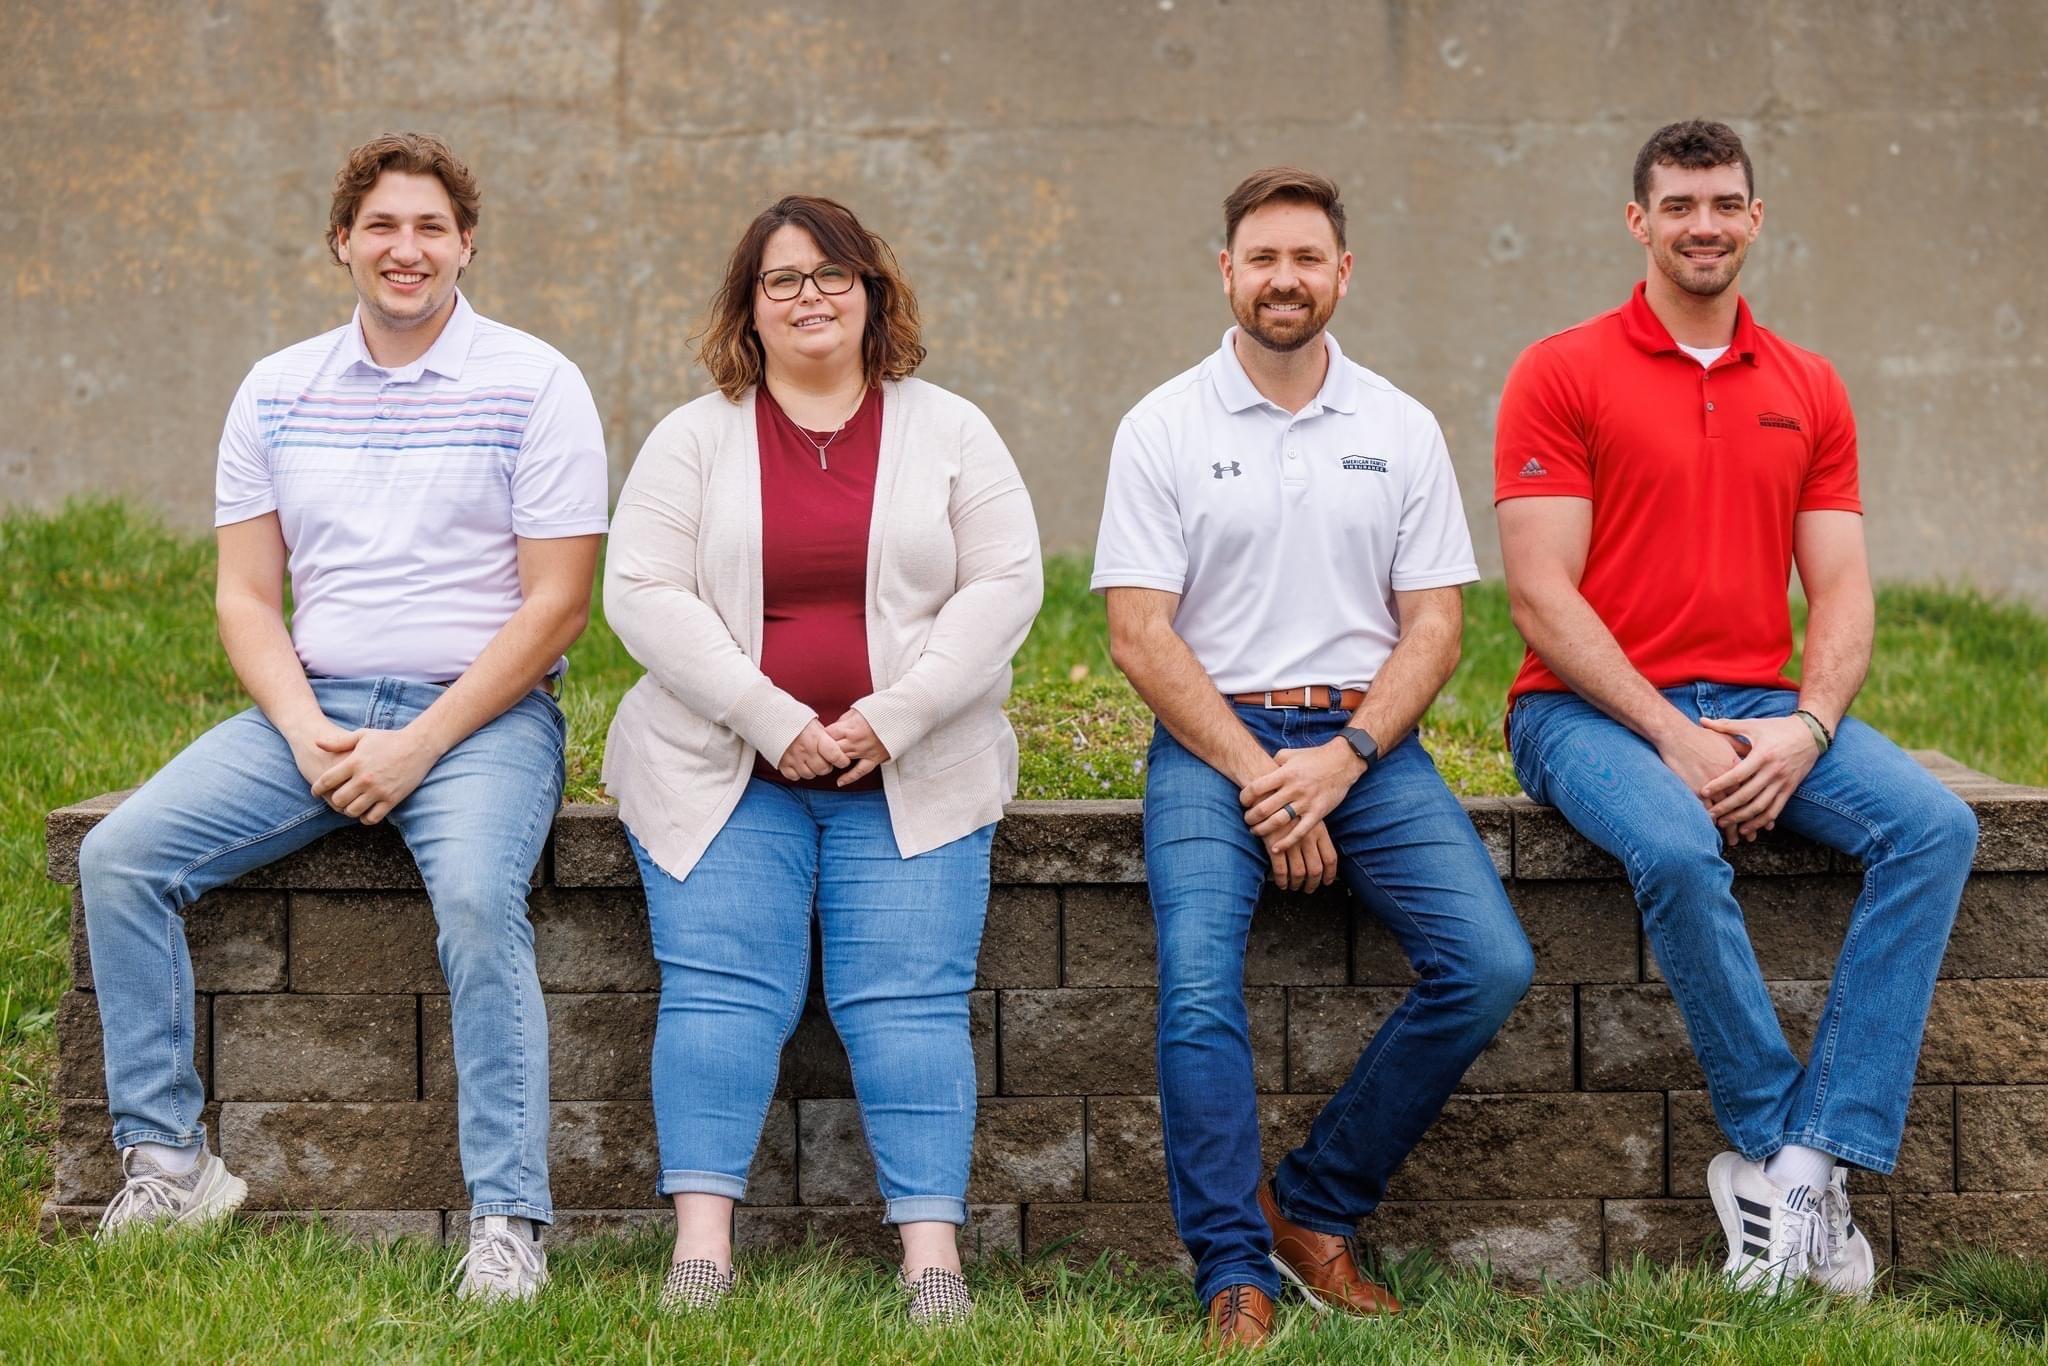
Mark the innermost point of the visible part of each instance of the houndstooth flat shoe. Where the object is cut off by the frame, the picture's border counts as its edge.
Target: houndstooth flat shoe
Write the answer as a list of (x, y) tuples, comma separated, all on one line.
[(695, 1286), (937, 1296)]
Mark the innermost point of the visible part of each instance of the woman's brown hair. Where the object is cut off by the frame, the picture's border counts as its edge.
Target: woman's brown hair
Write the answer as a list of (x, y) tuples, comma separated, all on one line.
[(727, 343)]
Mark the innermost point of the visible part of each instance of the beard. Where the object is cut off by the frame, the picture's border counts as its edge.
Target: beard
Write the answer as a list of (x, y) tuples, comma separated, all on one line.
[(1283, 335), (1703, 282)]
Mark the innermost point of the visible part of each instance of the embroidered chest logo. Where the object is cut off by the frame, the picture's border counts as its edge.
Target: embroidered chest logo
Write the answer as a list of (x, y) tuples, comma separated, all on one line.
[(1365, 462), (1534, 469), (1779, 420), (1221, 469)]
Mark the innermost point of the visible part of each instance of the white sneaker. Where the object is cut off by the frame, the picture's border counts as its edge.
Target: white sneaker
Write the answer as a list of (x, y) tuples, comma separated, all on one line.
[(502, 1263), (1851, 1265), (1776, 1238), (151, 1195)]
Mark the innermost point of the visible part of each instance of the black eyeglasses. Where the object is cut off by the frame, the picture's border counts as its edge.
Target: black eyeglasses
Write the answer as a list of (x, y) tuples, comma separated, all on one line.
[(830, 278)]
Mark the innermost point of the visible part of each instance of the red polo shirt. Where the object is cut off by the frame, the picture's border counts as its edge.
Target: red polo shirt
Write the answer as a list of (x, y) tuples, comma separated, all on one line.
[(1695, 474)]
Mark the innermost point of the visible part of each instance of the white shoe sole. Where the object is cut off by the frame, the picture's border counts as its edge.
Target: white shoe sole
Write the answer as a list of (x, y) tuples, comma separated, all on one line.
[(1855, 1282), (1315, 1301), (1721, 1189), (225, 1197)]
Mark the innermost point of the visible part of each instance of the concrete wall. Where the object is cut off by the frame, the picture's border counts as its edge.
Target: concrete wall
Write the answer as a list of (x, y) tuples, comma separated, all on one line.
[(323, 1037), (1050, 174)]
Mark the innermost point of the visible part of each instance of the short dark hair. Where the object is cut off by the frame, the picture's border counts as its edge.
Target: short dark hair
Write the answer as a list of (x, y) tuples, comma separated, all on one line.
[(413, 154), (1286, 184), (890, 348), (1696, 145)]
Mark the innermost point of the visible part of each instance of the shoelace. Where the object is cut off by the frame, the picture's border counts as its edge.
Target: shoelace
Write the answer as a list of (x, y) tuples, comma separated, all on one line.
[(1834, 1212), (149, 1196), (1800, 1242), (498, 1257)]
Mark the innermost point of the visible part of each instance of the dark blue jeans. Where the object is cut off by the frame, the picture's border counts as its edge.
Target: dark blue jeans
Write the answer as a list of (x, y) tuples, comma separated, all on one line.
[(1865, 797), (1408, 851)]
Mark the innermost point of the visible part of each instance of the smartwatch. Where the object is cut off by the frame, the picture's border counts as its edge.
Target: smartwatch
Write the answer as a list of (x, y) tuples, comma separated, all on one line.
[(1362, 744)]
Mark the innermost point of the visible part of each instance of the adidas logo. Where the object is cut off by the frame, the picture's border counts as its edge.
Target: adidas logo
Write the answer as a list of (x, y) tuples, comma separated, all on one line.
[(1534, 469), (1779, 420)]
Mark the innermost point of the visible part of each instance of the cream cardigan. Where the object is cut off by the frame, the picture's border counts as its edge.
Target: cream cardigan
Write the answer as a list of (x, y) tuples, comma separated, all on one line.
[(953, 582)]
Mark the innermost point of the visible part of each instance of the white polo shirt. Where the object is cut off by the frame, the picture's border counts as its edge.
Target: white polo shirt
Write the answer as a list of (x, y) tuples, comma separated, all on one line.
[(1285, 534), (401, 492)]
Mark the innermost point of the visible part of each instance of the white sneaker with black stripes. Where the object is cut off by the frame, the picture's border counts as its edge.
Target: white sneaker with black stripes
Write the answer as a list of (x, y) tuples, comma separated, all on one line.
[(1776, 1238)]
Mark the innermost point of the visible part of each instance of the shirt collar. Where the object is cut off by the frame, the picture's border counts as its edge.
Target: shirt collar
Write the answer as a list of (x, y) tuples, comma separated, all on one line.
[(1642, 327), (1235, 387), (445, 357)]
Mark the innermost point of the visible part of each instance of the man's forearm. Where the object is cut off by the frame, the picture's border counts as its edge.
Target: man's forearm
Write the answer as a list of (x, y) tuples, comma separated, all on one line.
[(1839, 631), (259, 649), (1568, 636), (1421, 663), (1181, 694), (510, 666)]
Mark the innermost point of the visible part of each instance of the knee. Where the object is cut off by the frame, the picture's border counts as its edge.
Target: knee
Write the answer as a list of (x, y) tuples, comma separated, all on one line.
[(1947, 832), (113, 853), (1493, 982), (476, 918), (1680, 865)]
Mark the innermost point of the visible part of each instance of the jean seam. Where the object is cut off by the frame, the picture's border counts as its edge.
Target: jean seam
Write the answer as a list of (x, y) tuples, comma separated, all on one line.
[(532, 815), (796, 1007)]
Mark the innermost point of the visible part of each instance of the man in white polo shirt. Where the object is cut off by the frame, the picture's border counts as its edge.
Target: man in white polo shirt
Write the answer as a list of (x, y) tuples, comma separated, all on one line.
[(1283, 550), (435, 485)]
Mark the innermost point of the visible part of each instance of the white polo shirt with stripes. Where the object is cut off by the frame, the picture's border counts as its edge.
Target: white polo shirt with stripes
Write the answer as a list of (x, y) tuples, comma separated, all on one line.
[(402, 491), (1285, 534)]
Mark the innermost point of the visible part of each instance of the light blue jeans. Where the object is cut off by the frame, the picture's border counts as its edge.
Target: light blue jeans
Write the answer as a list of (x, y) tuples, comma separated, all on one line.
[(900, 940), (1865, 797), (234, 801)]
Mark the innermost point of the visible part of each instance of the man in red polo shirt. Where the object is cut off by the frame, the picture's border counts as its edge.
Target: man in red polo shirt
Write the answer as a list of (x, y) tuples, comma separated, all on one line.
[(1659, 471)]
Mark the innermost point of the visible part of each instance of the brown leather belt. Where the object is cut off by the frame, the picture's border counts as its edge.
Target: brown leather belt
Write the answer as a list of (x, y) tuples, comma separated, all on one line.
[(1316, 696)]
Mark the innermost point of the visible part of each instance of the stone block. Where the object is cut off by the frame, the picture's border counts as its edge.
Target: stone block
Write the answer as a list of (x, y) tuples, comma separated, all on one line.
[(1077, 1043), (1020, 940), (771, 1180), (2001, 927), (592, 940), (602, 1154), (365, 1225), (65, 829), (2012, 1222), (359, 942), (1632, 1038), (1926, 1149), (1294, 939), (87, 1169), (1329, 1027), (1070, 841), (1494, 819), (1126, 1156), (1551, 1146), (2012, 830), (1525, 1244), (236, 939), (1139, 1236), (81, 1059), (599, 1046), (2002, 1138), (1580, 931), (316, 1048), (858, 1230), (359, 858), (1546, 846), (1030, 1149), (1687, 1232), (1992, 1032), (358, 1156), (590, 848), (578, 1225), (1795, 924)]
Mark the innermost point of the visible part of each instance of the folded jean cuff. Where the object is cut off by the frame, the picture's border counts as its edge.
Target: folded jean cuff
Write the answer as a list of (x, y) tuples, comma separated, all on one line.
[(681, 1181), (1870, 1159), (124, 1139), (925, 1209), (1263, 1277), (1335, 1228), (513, 1209)]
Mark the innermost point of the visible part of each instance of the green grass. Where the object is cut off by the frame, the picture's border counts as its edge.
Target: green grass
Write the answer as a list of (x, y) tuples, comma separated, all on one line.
[(110, 665)]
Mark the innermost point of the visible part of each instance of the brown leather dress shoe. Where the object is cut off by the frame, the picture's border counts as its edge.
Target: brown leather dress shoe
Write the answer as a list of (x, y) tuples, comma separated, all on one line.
[(1239, 1316), (1323, 1265)]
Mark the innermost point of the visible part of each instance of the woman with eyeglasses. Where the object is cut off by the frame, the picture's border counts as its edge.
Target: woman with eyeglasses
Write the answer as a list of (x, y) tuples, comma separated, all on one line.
[(825, 568)]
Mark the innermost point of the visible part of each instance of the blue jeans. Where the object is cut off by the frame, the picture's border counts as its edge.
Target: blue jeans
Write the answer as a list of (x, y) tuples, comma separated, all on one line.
[(900, 940), (1865, 797), (234, 801), (1408, 851)]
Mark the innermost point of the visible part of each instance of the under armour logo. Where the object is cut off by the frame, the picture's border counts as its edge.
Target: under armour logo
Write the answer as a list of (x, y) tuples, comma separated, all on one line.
[(1221, 469)]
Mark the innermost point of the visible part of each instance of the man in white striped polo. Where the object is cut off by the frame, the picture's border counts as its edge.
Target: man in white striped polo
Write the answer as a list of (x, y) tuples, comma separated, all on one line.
[(434, 483)]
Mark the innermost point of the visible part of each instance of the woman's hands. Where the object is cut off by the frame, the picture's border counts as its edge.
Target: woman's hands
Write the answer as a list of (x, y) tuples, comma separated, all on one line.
[(849, 743)]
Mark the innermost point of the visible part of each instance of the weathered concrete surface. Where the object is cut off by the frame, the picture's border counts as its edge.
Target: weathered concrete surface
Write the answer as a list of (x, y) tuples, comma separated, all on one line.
[(1050, 175)]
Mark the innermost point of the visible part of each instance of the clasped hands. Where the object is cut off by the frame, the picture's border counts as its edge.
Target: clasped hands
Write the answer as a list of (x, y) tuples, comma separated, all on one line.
[(1743, 771), (1311, 782), (849, 743), (364, 773)]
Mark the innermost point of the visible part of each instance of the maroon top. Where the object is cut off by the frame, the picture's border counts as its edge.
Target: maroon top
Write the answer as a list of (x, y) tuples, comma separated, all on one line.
[(814, 565)]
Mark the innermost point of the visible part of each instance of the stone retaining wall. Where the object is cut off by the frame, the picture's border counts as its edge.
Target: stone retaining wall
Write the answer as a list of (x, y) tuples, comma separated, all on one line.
[(1579, 1139)]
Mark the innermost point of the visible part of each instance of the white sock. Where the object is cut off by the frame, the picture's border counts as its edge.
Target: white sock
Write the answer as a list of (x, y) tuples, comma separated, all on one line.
[(1793, 1166), (523, 1228), (175, 1161)]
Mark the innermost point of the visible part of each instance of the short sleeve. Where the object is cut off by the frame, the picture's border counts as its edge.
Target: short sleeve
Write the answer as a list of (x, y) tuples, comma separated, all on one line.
[(241, 477), (560, 484), (1540, 446), (1831, 479), (1141, 543), (1433, 545)]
